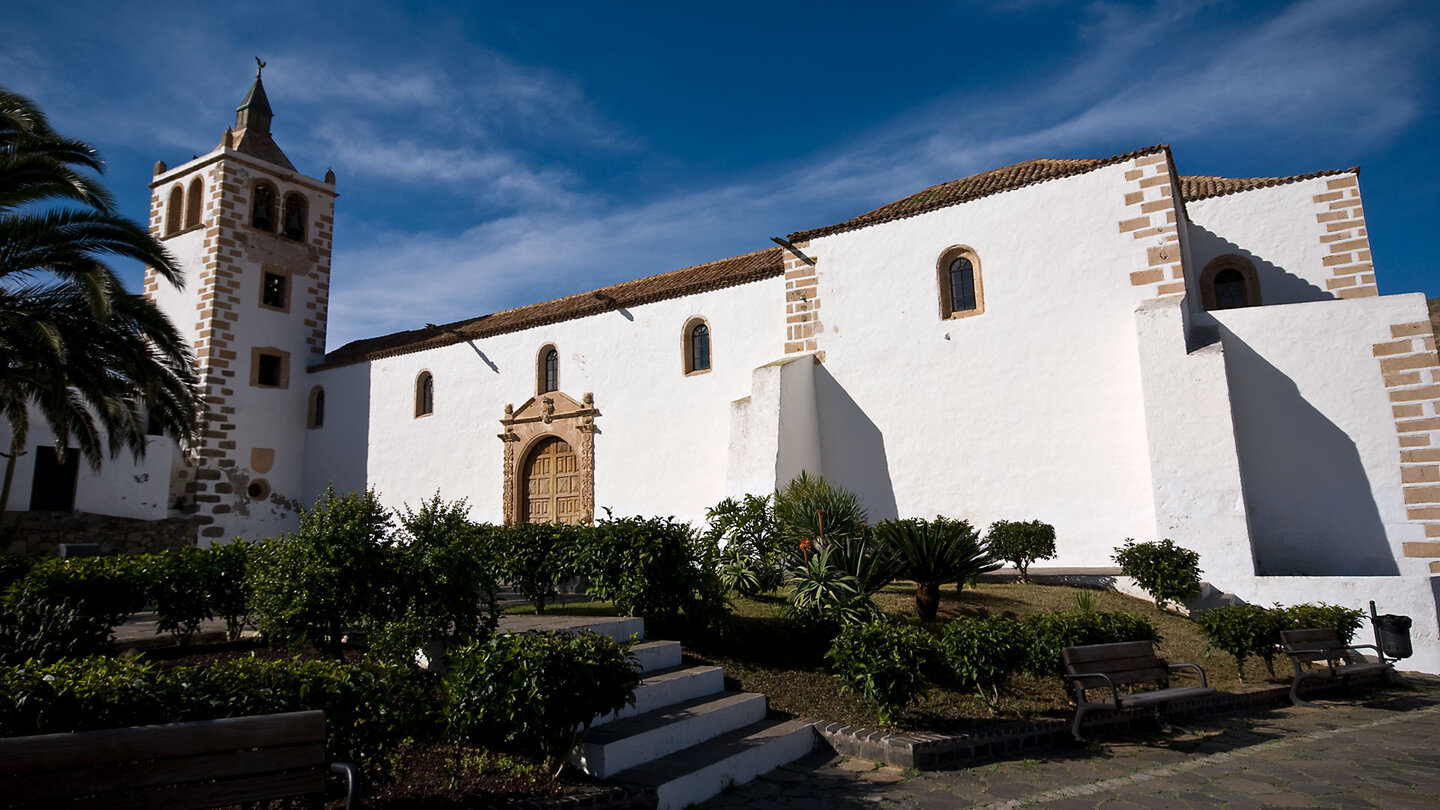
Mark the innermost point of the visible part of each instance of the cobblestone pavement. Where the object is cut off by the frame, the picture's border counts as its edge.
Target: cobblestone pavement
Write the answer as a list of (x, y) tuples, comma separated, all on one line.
[(1380, 750)]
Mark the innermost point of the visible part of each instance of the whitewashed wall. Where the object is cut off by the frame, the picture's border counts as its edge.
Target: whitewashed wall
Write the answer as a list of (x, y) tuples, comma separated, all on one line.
[(1275, 228), (124, 487), (662, 442), (1031, 410)]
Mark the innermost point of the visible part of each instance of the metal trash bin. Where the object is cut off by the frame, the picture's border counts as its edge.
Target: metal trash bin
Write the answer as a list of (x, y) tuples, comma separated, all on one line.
[(1393, 634)]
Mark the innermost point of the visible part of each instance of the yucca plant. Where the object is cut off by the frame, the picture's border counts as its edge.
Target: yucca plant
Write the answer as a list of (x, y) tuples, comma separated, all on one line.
[(811, 510), (933, 552), (825, 594)]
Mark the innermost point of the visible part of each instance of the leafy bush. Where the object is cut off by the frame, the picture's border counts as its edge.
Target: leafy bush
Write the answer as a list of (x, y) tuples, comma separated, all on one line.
[(825, 596), (45, 628), (535, 557), (1162, 569), (982, 652), (754, 552), (1243, 631), (884, 662), (180, 592), (1021, 543), (316, 583), (1344, 621), (111, 588), (537, 691), (369, 709), (933, 552), (654, 567), (1046, 635), (14, 567), (227, 585), (442, 581)]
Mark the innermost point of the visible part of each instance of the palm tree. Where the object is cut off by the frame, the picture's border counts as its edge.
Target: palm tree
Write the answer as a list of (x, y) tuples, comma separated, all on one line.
[(95, 360)]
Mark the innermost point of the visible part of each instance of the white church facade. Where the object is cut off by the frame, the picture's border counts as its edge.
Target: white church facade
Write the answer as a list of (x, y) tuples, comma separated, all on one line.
[(1103, 344)]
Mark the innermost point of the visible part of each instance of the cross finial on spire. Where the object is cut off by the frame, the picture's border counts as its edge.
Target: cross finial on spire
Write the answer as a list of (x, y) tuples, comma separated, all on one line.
[(259, 66)]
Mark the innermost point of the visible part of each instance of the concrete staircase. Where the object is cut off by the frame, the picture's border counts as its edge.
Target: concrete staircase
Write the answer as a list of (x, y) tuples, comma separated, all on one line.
[(686, 736)]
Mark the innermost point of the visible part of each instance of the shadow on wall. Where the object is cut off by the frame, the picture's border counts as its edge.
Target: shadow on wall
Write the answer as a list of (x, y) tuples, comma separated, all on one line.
[(1277, 285), (854, 450), (1310, 505), (339, 451)]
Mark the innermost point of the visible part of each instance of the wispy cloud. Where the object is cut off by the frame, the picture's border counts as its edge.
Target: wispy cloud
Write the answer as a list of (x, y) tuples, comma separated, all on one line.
[(1156, 74)]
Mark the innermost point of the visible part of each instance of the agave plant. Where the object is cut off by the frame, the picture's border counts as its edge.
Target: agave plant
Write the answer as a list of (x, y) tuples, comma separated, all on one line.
[(812, 509), (933, 552), (824, 593)]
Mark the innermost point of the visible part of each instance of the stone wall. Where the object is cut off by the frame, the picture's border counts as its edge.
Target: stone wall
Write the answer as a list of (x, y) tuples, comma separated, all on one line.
[(43, 532)]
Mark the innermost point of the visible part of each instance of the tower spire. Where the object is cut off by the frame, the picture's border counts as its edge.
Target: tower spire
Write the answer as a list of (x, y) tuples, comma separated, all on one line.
[(252, 124)]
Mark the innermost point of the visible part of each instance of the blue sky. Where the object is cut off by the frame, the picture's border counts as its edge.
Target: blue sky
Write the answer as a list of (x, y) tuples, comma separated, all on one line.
[(495, 154)]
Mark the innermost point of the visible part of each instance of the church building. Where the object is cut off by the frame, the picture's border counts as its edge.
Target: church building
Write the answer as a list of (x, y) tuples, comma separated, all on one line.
[(1105, 344)]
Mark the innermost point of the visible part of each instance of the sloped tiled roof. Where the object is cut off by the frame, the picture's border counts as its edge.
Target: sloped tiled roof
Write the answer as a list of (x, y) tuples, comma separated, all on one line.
[(258, 143), (700, 278), (1202, 187), (974, 187)]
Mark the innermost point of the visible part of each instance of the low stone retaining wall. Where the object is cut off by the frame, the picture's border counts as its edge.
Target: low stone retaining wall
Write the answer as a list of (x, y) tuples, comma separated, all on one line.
[(43, 532), (930, 751)]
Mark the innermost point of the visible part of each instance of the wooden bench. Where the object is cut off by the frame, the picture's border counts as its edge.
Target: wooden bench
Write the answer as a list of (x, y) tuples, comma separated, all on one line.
[(1125, 663), (179, 765), (1340, 660)]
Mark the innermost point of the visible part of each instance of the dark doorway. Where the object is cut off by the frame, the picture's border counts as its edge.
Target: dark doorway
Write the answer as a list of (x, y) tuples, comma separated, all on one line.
[(53, 489)]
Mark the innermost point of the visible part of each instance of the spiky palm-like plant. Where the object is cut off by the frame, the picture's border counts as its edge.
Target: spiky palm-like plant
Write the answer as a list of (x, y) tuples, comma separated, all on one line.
[(933, 552), (94, 359)]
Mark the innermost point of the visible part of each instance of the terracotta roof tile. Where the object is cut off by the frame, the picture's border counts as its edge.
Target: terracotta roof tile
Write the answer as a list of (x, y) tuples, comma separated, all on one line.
[(973, 187), (700, 278), (1203, 187)]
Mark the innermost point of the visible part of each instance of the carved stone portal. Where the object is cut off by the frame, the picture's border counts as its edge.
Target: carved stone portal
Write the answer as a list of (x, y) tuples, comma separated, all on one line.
[(540, 417)]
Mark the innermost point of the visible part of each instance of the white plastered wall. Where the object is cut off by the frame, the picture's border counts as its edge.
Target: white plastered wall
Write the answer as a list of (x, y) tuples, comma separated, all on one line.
[(124, 487), (662, 443), (1031, 410)]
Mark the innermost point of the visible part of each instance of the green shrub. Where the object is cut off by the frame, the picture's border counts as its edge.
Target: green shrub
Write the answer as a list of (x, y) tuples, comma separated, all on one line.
[(1046, 635), (46, 629), (535, 557), (810, 511), (227, 585), (654, 567), (369, 709), (14, 567), (1243, 631), (754, 553), (536, 691), (825, 596), (981, 652), (1162, 569), (1021, 543), (111, 588), (933, 552), (180, 592), (442, 581), (884, 662), (315, 584), (1344, 621)]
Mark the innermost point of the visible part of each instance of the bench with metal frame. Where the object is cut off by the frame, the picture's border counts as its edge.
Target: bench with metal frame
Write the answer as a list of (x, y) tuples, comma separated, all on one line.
[(1340, 661), (202, 764), (1125, 663)]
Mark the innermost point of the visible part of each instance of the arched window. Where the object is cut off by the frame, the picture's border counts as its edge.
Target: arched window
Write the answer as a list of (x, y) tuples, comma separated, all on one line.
[(697, 346), (547, 370), (961, 291), (424, 394), (174, 212), (315, 417), (262, 208), (194, 203), (294, 225), (1229, 282)]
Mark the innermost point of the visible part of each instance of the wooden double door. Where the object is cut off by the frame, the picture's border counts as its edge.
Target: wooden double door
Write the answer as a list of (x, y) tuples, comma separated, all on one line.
[(552, 483)]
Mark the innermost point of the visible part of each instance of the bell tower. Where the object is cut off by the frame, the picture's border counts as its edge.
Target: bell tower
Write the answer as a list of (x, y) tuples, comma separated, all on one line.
[(254, 236)]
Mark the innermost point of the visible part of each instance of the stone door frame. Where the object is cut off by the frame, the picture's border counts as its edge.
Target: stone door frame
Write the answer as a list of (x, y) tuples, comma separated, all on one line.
[(552, 414)]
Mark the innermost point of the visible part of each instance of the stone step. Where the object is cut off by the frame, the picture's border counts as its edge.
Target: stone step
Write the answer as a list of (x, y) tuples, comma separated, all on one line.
[(702, 771), (669, 687), (626, 743), (620, 628), (657, 655)]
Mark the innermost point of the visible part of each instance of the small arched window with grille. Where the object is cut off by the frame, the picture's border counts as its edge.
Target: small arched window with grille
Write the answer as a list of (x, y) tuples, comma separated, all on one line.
[(174, 211), (697, 346), (262, 208), (294, 219), (547, 370), (1229, 282), (961, 291), (194, 203), (424, 394)]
